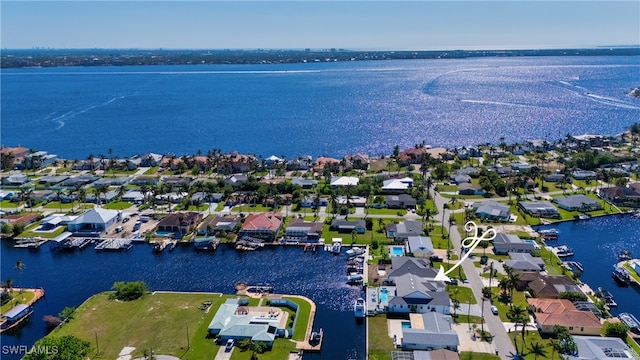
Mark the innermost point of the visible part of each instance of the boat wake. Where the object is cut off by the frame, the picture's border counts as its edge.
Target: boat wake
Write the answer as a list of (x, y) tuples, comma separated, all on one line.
[(487, 102), (61, 119), (584, 92)]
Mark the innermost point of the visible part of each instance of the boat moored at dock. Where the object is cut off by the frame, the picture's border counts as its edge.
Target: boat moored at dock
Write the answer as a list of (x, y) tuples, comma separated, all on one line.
[(630, 320), (14, 317), (621, 276), (359, 308)]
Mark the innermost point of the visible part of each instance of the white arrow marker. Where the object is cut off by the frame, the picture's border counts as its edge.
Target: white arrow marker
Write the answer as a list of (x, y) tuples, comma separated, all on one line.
[(469, 243)]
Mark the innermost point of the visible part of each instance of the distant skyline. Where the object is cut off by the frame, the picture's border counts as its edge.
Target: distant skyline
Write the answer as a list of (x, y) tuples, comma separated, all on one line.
[(355, 25)]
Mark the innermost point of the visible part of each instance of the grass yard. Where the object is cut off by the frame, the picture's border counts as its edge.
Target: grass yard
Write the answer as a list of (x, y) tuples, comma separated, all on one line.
[(385, 211), (151, 171), (438, 241), (304, 311), (464, 294), (246, 208), (18, 298), (30, 232), (631, 272), (380, 344), (142, 323), (468, 355), (118, 205), (551, 261), (503, 308), (465, 319), (8, 204)]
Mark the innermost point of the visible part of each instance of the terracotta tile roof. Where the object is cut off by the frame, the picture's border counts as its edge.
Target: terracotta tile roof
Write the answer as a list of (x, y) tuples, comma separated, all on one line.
[(256, 222), (550, 312)]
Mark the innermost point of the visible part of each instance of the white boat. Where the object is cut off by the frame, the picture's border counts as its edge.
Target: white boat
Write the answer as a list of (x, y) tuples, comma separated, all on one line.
[(355, 251), (336, 245), (359, 309), (564, 251), (584, 216), (630, 320)]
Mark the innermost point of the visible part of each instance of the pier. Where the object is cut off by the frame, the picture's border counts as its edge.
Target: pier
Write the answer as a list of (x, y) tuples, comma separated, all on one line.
[(33, 243), (113, 245)]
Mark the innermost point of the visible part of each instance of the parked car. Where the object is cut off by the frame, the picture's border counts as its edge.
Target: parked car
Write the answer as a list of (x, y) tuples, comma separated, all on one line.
[(494, 310), (125, 220), (229, 345)]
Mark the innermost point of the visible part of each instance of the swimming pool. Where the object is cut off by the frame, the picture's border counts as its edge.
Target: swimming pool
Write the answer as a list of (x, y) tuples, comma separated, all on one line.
[(383, 295), (532, 242), (406, 325), (396, 251)]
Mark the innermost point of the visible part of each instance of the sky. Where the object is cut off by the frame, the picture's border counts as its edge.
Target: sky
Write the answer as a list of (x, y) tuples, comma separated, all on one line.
[(356, 25)]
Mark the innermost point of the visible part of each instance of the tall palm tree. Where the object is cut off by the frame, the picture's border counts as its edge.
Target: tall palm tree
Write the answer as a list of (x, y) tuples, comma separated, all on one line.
[(503, 285), (537, 350), (555, 347), (517, 315)]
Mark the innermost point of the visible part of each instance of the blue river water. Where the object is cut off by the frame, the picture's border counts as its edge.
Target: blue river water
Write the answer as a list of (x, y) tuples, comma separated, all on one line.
[(315, 108), (597, 242), (69, 278)]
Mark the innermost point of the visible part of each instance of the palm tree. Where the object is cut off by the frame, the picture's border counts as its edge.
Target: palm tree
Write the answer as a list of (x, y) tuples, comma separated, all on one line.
[(537, 350), (517, 314), (555, 347), (503, 285)]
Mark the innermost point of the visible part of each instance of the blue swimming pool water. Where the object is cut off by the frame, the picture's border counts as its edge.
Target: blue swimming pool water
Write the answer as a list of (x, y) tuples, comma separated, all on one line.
[(532, 242), (397, 251), (384, 295), (406, 325)]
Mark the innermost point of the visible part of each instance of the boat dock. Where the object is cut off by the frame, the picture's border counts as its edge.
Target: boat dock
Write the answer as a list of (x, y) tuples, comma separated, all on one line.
[(33, 243), (113, 245)]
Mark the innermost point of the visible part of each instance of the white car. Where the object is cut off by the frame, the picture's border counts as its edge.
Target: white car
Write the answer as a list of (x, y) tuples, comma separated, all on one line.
[(494, 310)]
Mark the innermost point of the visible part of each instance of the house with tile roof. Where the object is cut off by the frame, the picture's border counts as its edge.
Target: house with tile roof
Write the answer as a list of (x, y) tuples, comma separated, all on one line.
[(263, 226), (551, 312)]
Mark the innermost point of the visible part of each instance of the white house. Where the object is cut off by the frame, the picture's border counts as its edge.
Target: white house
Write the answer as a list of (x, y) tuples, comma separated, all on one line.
[(96, 219), (345, 181), (430, 331)]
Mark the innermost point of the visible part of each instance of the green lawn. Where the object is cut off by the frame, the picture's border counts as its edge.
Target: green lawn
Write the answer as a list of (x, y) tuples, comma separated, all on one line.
[(518, 298), (9, 204), (438, 241), (201, 207), (30, 232), (304, 311), (118, 205), (631, 272), (464, 294), (395, 212), (220, 206), (380, 344), (468, 355), (246, 208), (280, 351), (151, 171), (142, 323), (551, 262), (447, 188), (465, 319), (18, 298)]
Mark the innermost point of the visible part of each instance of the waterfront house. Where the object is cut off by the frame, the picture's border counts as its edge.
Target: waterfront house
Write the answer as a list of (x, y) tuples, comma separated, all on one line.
[(94, 221), (396, 186), (401, 265), (54, 220), (402, 231), (414, 294), (492, 210), (412, 156), (236, 163), (347, 226), (262, 226), (622, 195), (420, 246), (539, 209), (470, 189), (545, 286), (301, 163), (599, 347), (509, 243), (149, 159), (357, 161), (524, 262), (39, 159), (21, 219), (16, 313), (345, 181), (304, 183), (577, 203), (330, 164), (18, 154), (430, 331), (215, 224), (401, 201), (299, 230), (551, 312), (180, 223), (236, 320)]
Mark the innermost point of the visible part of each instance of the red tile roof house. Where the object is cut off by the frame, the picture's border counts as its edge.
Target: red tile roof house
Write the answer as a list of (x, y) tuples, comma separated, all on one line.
[(262, 226), (236, 163), (322, 163), (551, 312), (180, 223)]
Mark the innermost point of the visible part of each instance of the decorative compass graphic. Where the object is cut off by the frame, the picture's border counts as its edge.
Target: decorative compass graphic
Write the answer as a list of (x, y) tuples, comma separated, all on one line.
[(469, 243)]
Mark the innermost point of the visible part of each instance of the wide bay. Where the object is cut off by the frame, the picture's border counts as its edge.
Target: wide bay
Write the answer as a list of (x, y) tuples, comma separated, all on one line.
[(315, 108)]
